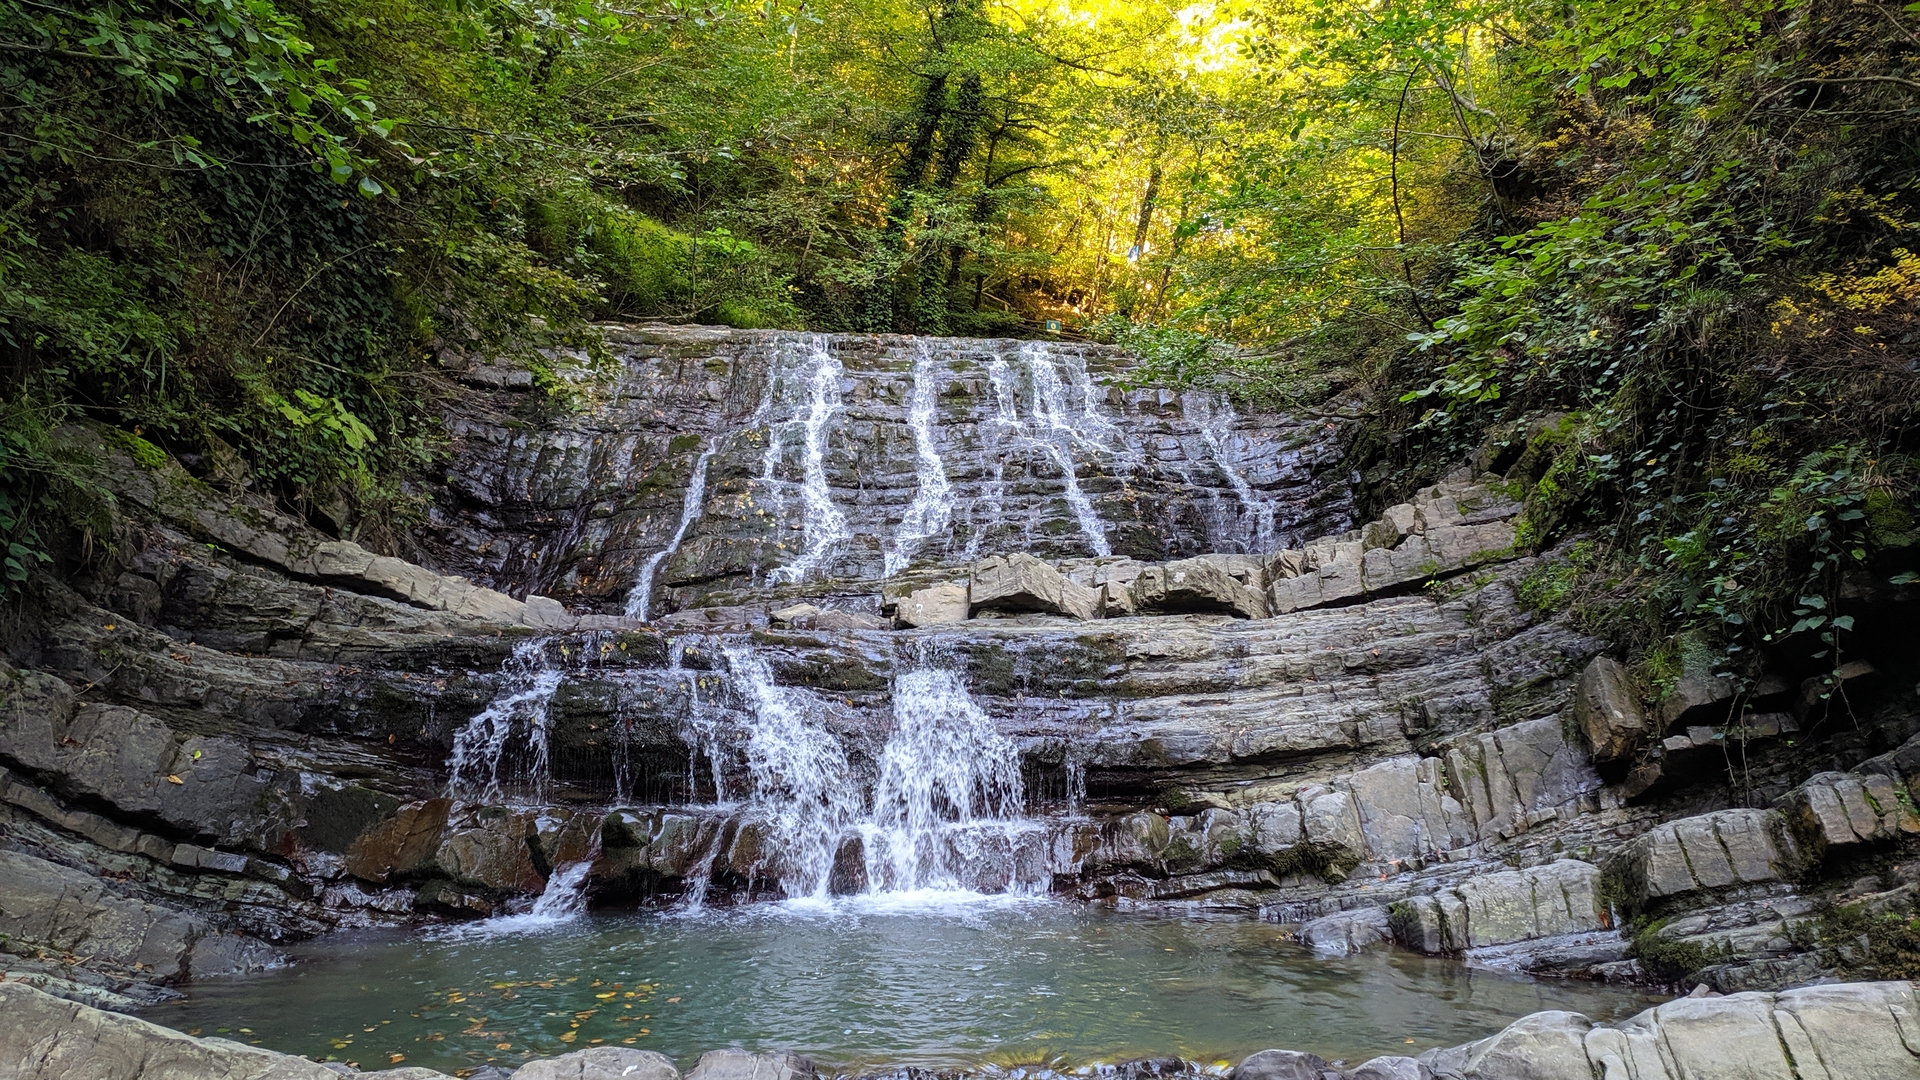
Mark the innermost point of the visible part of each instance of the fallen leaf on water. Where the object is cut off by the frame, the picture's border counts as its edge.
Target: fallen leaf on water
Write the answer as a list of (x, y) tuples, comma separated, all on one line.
[(569, 1036), (630, 1040), (672, 1001), (503, 1046), (391, 1058), (603, 997)]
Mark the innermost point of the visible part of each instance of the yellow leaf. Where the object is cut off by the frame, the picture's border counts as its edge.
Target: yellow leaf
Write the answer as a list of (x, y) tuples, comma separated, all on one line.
[(172, 779)]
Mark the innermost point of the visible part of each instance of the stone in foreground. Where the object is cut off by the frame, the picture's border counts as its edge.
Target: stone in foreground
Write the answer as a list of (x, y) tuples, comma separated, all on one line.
[(45, 1038), (601, 1063), (740, 1065)]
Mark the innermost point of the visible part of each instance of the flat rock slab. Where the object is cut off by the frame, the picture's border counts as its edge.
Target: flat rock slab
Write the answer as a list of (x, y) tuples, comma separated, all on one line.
[(45, 1038), (601, 1063), (740, 1065)]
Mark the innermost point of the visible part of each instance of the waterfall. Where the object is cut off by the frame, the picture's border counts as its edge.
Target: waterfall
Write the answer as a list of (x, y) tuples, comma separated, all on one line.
[(947, 808), (803, 786), (1056, 427), (565, 895), (641, 596), (1215, 425), (529, 682), (823, 526), (932, 508)]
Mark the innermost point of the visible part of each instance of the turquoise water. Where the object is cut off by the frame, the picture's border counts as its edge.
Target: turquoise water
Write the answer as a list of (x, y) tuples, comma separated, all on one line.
[(860, 986)]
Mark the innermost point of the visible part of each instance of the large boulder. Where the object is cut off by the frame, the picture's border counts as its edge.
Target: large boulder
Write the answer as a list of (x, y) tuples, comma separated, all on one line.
[(936, 605), (601, 1063), (1835, 1032), (740, 1065), (1280, 1065), (1561, 897), (1606, 708), (1020, 582), (1705, 853), (1347, 932), (46, 1038), (1202, 584), (1848, 810)]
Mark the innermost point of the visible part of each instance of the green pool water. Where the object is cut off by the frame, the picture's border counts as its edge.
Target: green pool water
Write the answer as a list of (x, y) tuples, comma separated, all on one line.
[(862, 986)]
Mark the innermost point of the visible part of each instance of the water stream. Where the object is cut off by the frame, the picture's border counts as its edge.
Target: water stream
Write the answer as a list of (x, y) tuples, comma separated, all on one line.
[(823, 526), (640, 599), (528, 682), (931, 511)]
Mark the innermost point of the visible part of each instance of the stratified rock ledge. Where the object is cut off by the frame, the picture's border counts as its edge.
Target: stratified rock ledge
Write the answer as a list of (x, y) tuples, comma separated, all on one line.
[(1840, 1031)]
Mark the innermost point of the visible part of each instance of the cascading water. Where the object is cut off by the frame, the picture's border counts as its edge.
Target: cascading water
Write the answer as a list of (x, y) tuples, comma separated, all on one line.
[(1215, 423), (931, 511), (947, 807), (528, 685), (1055, 427), (803, 786), (641, 596), (823, 526)]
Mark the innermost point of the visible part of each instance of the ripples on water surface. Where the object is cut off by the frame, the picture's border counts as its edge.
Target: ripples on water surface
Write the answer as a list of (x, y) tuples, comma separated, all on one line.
[(862, 984)]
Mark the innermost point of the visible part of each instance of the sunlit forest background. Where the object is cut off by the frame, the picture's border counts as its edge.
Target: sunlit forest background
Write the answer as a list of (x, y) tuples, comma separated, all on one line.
[(1650, 259)]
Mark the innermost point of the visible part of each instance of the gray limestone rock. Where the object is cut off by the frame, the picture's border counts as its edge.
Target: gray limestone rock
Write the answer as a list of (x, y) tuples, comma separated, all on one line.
[(1347, 932), (1607, 709), (1390, 1068), (46, 1038), (1704, 853), (1021, 582), (1557, 899), (938, 605), (1201, 584), (49, 906), (1331, 820), (740, 1065), (1842, 810), (1280, 1065), (601, 1063)]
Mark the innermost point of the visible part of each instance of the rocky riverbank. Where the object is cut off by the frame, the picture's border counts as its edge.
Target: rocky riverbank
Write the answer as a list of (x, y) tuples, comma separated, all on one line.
[(1847, 1030), (1188, 683)]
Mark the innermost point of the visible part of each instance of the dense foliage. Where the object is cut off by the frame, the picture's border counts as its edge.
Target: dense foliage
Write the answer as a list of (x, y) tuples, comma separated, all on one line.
[(1653, 260)]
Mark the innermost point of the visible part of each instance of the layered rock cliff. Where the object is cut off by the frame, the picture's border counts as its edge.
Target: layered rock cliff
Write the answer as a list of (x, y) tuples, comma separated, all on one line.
[(756, 613)]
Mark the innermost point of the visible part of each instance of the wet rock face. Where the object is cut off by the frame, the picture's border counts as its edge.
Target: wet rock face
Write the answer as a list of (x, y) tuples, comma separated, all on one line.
[(855, 457)]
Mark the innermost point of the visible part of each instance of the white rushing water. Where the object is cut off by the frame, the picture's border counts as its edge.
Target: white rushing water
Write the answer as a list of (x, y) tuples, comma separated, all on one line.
[(946, 815), (1054, 426), (1215, 422), (528, 683), (823, 526), (803, 787), (640, 598), (931, 511), (948, 805)]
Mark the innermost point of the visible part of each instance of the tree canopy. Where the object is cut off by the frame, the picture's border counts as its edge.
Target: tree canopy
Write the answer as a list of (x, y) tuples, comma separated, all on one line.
[(1653, 258)]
